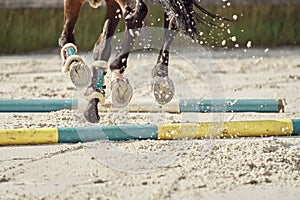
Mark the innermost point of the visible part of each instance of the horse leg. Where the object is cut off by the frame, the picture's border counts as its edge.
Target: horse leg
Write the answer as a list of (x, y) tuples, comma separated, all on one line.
[(72, 63), (102, 52), (102, 48), (121, 89), (163, 86), (71, 12)]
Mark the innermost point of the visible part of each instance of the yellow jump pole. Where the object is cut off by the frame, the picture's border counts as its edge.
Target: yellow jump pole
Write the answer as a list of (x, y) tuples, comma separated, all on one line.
[(28, 136), (226, 129), (287, 127)]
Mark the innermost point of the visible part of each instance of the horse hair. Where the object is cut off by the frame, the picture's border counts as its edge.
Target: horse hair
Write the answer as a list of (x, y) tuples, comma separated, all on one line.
[(186, 14)]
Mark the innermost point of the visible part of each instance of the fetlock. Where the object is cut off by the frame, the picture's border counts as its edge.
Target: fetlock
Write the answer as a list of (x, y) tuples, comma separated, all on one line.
[(99, 87), (68, 58), (66, 38), (160, 70), (119, 65)]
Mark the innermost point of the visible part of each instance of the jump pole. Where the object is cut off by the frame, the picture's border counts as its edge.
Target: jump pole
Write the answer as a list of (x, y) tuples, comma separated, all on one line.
[(287, 127), (36, 105), (146, 105)]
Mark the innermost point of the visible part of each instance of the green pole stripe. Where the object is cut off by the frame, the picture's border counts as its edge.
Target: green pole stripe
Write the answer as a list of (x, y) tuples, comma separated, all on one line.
[(126, 132), (296, 127), (229, 105)]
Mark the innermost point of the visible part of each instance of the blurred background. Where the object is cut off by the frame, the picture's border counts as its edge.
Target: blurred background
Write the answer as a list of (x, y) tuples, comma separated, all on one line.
[(35, 25)]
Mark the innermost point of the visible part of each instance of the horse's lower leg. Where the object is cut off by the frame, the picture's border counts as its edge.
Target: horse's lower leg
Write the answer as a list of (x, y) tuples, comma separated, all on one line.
[(102, 53), (170, 32), (71, 12), (163, 86), (102, 48), (133, 21), (72, 63), (121, 89)]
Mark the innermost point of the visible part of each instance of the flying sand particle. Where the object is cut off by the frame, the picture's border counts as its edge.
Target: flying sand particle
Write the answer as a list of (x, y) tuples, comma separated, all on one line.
[(249, 43)]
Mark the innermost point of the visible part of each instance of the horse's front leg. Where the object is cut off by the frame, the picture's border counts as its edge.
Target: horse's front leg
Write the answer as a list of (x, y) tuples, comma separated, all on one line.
[(102, 48), (98, 89), (163, 86), (71, 13), (72, 63), (121, 89)]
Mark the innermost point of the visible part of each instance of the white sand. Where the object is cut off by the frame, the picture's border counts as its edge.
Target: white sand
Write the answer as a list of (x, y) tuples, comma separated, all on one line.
[(245, 168)]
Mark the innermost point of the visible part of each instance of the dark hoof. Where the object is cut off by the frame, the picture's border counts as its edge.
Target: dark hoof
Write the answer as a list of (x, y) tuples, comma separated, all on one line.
[(122, 92), (163, 89), (91, 111)]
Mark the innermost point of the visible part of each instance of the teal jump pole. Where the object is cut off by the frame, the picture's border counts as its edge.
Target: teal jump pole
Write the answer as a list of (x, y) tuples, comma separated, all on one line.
[(87, 134), (36, 105), (231, 105), (183, 105)]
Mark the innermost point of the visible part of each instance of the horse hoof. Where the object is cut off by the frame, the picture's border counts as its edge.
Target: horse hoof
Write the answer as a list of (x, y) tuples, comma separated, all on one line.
[(121, 91), (163, 89), (91, 111), (80, 74)]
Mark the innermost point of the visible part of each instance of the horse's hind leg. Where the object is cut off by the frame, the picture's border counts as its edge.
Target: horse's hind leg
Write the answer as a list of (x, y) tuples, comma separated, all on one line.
[(133, 21), (121, 89), (163, 86)]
